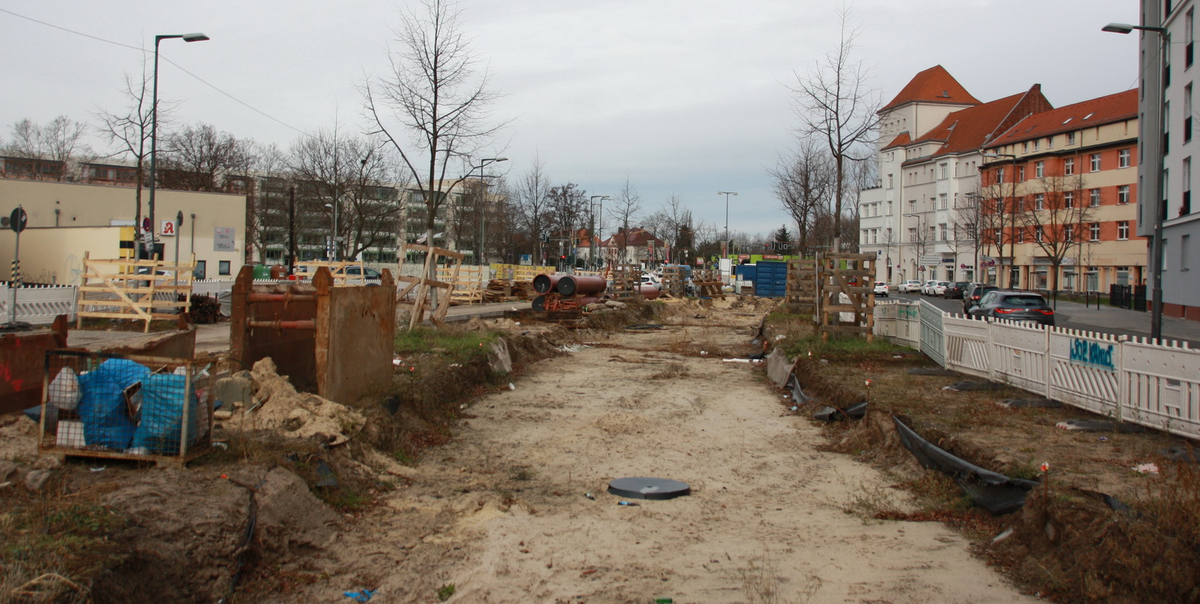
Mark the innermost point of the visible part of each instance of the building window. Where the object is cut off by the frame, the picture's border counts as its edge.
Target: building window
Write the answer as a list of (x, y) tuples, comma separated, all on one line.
[(1095, 162), (1185, 246), (1070, 138), (1049, 142), (1025, 147), (942, 228), (1094, 198), (1000, 175), (1039, 201), (1069, 166), (912, 206), (1123, 158), (1188, 32), (1020, 173), (944, 201), (1123, 194), (945, 170), (1039, 169), (1122, 230), (997, 237), (1094, 231), (1035, 144), (889, 181), (912, 234), (1068, 233), (1039, 233), (1069, 199), (1020, 235), (223, 267)]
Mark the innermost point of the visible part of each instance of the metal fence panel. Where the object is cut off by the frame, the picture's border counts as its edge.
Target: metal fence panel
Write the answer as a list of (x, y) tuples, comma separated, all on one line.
[(1084, 370), (967, 345), (1161, 387), (1019, 355), (933, 342)]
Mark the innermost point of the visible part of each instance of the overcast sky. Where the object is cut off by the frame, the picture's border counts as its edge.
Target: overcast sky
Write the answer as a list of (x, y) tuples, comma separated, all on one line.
[(680, 97)]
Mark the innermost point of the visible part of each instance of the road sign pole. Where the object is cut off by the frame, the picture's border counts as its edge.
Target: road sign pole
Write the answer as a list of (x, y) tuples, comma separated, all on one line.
[(16, 222)]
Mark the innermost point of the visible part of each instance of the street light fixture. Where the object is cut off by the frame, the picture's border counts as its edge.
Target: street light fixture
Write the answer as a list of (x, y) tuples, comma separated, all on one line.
[(479, 204), (1153, 156), (727, 194), (192, 37), (593, 254)]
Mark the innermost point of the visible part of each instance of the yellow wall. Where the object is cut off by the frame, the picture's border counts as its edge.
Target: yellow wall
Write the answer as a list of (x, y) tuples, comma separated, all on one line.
[(84, 223)]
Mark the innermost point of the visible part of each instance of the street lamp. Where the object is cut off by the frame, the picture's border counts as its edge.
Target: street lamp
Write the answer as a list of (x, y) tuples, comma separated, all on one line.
[(727, 194), (193, 37), (593, 254), (479, 204), (333, 254), (1152, 155)]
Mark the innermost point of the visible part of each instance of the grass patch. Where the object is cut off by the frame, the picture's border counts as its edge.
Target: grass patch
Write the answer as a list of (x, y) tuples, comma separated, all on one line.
[(445, 592), (39, 535), (456, 345)]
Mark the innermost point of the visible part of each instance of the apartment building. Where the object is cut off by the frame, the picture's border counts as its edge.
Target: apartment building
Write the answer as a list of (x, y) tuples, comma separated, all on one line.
[(919, 220), (1165, 170), (1056, 200)]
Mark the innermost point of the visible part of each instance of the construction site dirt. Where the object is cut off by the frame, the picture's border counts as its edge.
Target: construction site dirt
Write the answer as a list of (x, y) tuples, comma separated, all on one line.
[(462, 484)]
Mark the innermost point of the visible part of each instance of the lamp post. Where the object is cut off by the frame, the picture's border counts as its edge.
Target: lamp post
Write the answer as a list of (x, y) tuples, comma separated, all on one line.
[(1149, 188), (1012, 236), (479, 205), (333, 252), (193, 37), (726, 194), (595, 251)]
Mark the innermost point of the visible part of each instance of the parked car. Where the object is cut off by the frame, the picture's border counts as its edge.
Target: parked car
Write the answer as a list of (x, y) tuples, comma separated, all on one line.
[(939, 289), (973, 294), (956, 290), (927, 288), (881, 288), (368, 273), (908, 287), (1014, 306)]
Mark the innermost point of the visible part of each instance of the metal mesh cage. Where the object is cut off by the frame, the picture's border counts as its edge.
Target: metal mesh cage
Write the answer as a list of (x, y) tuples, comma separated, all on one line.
[(125, 407)]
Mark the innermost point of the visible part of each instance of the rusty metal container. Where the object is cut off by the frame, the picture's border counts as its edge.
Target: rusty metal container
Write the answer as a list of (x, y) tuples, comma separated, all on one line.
[(571, 285)]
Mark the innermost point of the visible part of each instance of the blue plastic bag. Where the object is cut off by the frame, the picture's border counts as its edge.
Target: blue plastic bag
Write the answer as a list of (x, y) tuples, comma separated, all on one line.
[(106, 420), (161, 426)]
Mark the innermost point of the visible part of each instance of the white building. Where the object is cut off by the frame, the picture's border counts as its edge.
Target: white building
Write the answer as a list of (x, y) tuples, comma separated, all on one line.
[(918, 219)]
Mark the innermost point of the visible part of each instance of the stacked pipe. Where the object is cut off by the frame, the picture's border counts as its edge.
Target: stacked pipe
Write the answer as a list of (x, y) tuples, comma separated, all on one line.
[(567, 292)]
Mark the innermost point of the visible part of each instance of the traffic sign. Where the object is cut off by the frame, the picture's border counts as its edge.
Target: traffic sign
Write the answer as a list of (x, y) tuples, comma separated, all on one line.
[(18, 220)]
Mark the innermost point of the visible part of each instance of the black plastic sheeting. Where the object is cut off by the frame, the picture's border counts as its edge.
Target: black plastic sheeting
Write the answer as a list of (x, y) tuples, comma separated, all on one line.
[(989, 490), (973, 386), (798, 396), (1030, 403), (833, 414)]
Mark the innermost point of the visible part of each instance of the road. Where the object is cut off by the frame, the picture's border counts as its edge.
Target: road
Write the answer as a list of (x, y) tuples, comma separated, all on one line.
[(1106, 319)]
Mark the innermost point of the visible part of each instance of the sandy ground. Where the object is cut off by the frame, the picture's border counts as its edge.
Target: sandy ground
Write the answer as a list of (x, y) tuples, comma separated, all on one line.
[(500, 512)]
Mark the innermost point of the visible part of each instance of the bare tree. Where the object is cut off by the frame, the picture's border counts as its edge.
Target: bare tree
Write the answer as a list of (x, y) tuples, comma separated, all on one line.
[(567, 209), (803, 183), (54, 148), (967, 227), (432, 105), (834, 105), (200, 158), (129, 131), (1054, 218), (669, 224), (346, 174), (269, 212), (533, 206), (624, 210)]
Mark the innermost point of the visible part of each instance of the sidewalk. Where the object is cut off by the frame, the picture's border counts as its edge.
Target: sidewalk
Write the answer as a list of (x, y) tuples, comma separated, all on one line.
[(1110, 319)]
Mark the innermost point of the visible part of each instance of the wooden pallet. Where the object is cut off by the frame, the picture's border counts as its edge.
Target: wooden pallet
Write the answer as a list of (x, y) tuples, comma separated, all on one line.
[(133, 289), (468, 284), (845, 285), (426, 291), (801, 296), (708, 283)]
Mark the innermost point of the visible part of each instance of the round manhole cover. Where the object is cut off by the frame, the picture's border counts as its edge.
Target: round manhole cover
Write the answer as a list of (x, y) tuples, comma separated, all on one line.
[(648, 488)]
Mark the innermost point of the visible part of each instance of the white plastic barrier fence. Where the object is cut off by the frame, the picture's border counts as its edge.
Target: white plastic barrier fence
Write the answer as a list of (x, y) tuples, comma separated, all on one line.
[(39, 304), (1127, 379)]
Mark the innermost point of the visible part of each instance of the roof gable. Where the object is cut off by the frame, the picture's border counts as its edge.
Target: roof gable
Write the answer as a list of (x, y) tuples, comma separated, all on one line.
[(976, 127), (934, 85)]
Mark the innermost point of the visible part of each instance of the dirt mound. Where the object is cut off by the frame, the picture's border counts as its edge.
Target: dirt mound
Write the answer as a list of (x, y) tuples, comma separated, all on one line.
[(297, 414), (186, 532)]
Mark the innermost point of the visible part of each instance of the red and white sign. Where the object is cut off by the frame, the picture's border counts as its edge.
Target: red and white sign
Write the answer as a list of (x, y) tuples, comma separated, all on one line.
[(168, 228)]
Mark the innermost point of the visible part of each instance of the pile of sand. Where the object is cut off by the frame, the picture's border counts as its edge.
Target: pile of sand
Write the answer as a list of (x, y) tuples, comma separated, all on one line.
[(277, 406)]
